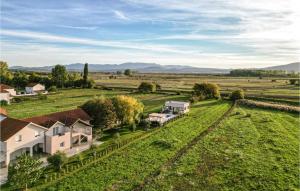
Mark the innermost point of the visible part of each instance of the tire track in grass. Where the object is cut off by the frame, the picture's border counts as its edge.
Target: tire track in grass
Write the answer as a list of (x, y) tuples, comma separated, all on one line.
[(182, 151)]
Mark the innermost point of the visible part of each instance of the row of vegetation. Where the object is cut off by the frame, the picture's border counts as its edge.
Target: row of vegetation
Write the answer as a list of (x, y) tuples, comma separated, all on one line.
[(263, 73), (59, 77)]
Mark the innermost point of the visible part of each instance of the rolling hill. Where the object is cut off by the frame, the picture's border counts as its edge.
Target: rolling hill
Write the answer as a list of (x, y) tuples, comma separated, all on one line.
[(151, 68)]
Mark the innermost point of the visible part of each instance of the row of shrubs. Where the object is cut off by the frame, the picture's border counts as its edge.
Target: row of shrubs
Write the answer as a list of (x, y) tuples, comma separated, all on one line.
[(265, 105)]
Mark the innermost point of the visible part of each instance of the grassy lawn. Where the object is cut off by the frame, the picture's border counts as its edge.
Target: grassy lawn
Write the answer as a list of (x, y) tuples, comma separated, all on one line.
[(128, 166), (258, 152), (72, 98)]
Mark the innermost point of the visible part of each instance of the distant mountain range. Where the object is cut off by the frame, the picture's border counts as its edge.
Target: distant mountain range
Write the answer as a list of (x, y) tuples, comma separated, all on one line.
[(151, 68), (288, 67)]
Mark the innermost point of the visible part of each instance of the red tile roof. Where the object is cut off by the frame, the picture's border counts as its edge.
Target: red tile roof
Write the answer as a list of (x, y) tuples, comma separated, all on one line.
[(66, 117), (3, 88), (10, 126)]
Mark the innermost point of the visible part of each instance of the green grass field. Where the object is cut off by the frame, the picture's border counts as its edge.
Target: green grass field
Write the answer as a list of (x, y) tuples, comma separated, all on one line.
[(258, 152), (251, 85), (72, 98), (127, 167)]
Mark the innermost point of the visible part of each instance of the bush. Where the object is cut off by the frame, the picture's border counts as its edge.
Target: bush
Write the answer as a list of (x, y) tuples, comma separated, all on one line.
[(90, 83), (3, 103), (17, 100), (207, 90), (57, 160), (145, 124), (147, 87), (237, 94), (42, 96), (52, 89), (155, 124)]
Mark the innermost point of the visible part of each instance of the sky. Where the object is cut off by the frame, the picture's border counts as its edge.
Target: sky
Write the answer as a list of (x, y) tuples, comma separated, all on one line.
[(201, 33)]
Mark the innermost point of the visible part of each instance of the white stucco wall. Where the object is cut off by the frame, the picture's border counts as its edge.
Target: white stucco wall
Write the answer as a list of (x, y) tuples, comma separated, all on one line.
[(5, 96), (28, 139), (38, 87)]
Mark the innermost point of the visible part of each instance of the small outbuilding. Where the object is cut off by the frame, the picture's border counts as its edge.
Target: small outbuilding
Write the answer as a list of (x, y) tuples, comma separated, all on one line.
[(176, 107), (34, 88)]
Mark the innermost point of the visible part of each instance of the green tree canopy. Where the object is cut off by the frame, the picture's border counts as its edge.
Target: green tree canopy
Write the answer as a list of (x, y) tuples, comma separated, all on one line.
[(5, 74), (85, 74), (208, 90), (57, 160), (59, 75), (20, 80), (147, 87), (128, 72), (128, 109), (24, 172), (237, 94), (102, 111)]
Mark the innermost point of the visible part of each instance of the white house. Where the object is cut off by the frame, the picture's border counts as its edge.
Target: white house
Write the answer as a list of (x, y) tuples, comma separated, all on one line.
[(6, 92), (43, 134), (34, 88), (175, 107)]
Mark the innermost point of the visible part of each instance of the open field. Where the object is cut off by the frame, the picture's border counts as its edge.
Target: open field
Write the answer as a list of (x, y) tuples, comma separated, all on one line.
[(258, 151), (275, 87), (72, 98), (127, 167)]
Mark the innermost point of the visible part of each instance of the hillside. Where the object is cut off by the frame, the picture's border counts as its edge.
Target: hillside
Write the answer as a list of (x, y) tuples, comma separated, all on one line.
[(151, 68), (137, 66), (288, 67)]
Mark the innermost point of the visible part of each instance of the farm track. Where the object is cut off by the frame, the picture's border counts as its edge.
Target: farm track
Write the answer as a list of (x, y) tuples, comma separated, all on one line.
[(185, 149)]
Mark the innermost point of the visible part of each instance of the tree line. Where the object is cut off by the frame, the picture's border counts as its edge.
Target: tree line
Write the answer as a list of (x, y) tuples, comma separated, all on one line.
[(59, 77), (262, 73)]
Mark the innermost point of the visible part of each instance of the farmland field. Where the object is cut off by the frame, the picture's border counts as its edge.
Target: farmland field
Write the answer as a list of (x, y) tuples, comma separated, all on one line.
[(254, 149), (126, 168), (72, 98), (271, 87)]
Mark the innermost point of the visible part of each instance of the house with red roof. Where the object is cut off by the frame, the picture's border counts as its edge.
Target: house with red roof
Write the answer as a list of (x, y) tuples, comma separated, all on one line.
[(43, 134)]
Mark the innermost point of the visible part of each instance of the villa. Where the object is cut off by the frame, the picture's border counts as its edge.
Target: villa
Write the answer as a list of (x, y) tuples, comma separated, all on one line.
[(43, 134)]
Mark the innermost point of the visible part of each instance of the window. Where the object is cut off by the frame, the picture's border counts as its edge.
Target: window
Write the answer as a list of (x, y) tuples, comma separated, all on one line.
[(55, 130), (37, 133), (62, 144), (18, 138)]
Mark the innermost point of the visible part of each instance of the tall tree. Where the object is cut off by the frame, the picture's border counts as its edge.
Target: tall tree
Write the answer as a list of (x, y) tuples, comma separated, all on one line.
[(128, 72), (24, 172), (128, 109), (85, 74), (208, 90), (59, 75), (5, 74), (102, 111), (20, 80)]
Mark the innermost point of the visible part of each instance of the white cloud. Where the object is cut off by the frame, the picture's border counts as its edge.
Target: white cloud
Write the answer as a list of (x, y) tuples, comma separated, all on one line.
[(120, 15)]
